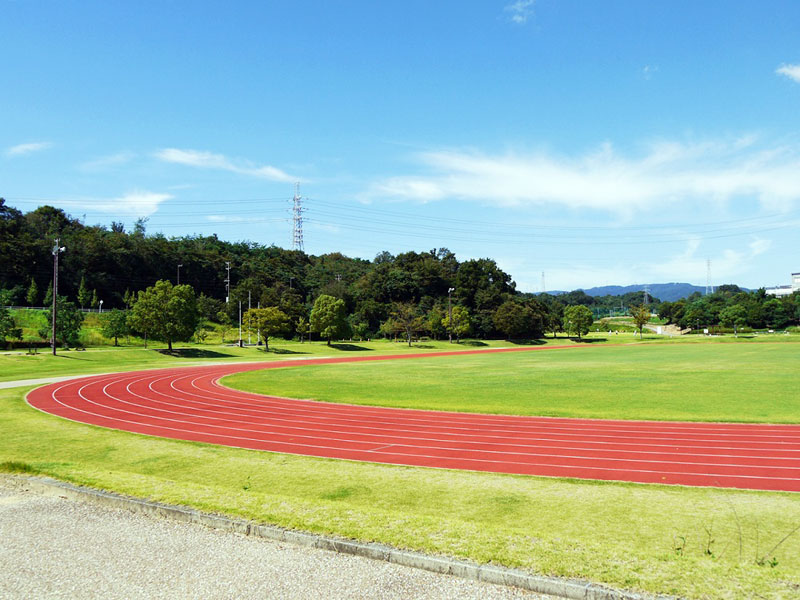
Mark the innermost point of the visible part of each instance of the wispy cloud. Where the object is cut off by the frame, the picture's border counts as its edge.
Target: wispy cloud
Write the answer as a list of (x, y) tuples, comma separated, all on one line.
[(519, 11), (648, 71), (209, 160), (107, 162), (664, 174), (29, 148), (790, 71), (137, 203)]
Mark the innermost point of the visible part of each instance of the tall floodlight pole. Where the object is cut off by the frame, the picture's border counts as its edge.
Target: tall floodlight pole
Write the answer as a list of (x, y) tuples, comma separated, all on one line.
[(249, 332), (228, 282), (240, 323), (297, 219), (56, 252), (450, 315)]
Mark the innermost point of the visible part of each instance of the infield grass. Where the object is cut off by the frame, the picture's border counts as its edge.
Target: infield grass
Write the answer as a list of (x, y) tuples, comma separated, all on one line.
[(687, 382)]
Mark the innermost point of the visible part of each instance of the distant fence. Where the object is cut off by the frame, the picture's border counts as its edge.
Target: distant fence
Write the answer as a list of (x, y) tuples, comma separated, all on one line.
[(86, 310)]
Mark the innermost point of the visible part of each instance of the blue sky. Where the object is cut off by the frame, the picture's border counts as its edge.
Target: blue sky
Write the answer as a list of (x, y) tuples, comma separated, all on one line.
[(600, 143)]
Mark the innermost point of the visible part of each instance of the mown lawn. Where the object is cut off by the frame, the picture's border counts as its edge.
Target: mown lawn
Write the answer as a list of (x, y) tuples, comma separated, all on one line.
[(698, 543), (691, 542), (751, 382)]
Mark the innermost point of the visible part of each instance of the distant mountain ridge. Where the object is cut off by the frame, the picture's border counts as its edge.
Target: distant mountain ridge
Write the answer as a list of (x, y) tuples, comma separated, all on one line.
[(669, 292)]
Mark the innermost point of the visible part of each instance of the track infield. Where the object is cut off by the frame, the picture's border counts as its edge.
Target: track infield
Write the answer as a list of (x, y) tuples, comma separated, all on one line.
[(188, 403)]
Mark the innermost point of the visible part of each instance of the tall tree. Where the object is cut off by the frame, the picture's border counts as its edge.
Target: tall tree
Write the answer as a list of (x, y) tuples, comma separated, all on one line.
[(406, 316), (84, 296), (460, 324), (68, 323), (510, 318), (267, 321), (115, 324), (734, 316), (328, 317), (33, 293), (166, 312), (640, 315), (578, 319)]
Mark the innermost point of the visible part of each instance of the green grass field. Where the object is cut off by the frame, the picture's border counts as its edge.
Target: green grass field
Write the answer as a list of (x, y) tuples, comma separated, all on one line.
[(694, 382), (692, 542)]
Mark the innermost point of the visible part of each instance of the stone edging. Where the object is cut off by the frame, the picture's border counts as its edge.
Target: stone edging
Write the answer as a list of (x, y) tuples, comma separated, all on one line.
[(563, 588)]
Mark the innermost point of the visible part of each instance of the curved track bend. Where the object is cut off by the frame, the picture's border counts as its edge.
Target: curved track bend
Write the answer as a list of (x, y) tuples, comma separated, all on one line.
[(188, 403)]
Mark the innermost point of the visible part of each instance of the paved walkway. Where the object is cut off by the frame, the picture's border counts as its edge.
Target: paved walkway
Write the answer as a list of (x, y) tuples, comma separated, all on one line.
[(58, 548)]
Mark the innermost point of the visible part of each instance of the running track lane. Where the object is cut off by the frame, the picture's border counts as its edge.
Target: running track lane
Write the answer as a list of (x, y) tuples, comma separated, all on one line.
[(188, 403)]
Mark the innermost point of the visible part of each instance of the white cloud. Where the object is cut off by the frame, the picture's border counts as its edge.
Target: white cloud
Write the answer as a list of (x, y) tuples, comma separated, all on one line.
[(648, 71), (664, 174), (520, 11), (106, 162), (790, 71), (138, 203), (22, 149), (208, 160)]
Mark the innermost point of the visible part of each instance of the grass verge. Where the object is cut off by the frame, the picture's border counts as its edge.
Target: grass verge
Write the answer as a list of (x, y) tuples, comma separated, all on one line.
[(693, 542)]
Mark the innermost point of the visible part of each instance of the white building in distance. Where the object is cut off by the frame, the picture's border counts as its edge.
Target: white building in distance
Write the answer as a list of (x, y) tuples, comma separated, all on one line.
[(786, 290)]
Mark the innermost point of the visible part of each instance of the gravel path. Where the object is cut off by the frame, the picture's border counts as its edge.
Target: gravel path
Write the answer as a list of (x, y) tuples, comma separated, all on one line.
[(59, 548)]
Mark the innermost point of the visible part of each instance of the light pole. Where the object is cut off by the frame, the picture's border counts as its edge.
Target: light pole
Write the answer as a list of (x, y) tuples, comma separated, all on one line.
[(101, 306), (179, 275), (450, 315), (56, 252), (228, 282)]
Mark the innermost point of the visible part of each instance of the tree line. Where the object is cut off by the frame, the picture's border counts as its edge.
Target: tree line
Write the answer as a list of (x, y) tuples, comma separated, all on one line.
[(409, 294)]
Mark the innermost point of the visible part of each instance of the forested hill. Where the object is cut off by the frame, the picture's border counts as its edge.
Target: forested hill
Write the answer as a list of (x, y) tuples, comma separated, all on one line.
[(665, 291)]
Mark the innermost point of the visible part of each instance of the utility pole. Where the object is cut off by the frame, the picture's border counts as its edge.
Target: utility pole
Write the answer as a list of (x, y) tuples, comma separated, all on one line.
[(56, 252), (249, 333), (228, 282), (449, 315), (297, 214), (240, 323), (179, 275)]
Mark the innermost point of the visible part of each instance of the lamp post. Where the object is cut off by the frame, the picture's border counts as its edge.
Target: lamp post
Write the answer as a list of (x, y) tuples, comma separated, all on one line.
[(450, 315), (101, 306), (56, 252)]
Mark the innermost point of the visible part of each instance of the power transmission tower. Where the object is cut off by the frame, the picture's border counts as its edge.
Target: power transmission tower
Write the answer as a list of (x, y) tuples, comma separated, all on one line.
[(709, 288), (543, 282), (297, 214), (646, 295)]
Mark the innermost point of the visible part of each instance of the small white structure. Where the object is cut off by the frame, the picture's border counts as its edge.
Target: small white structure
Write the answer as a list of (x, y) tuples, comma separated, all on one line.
[(786, 290)]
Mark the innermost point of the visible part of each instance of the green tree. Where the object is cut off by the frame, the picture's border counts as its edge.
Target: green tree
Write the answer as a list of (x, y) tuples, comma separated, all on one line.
[(578, 319), (733, 316), (328, 317), (48, 296), (433, 323), (390, 328), (33, 293), (115, 324), (302, 327), (84, 297), (358, 327), (461, 323), (640, 315), (165, 312), (225, 324), (8, 327), (68, 323), (511, 319), (406, 316), (267, 321), (95, 300)]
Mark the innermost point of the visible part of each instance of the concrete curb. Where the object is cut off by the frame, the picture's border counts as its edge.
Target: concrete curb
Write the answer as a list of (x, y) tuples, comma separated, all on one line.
[(563, 588)]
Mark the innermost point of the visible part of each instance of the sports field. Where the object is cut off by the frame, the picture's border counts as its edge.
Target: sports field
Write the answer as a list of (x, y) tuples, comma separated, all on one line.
[(695, 542)]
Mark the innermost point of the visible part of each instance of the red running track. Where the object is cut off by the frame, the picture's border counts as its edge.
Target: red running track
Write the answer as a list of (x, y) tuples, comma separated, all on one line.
[(188, 403)]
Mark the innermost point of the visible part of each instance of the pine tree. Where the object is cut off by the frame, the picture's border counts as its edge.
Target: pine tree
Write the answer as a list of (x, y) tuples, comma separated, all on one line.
[(83, 294), (33, 293), (48, 296)]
